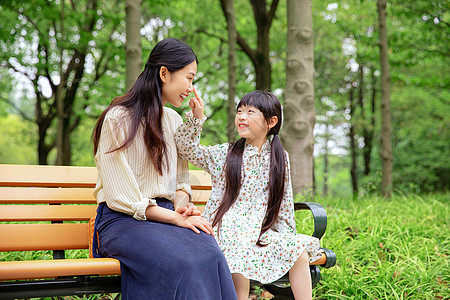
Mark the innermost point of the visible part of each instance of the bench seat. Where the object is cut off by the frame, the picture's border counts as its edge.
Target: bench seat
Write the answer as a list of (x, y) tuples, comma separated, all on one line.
[(40, 269), (49, 208)]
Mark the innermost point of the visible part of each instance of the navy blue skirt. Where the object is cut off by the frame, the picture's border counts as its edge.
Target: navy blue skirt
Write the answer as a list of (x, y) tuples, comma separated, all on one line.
[(162, 261)]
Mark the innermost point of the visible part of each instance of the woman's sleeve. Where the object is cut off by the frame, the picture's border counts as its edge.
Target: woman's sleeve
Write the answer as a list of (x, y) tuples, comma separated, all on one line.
[(187, 138), (285, 222), (120, 188)]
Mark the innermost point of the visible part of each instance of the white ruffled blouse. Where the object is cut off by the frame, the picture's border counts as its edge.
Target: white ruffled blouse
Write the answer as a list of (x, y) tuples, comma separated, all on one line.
[(127, 180)]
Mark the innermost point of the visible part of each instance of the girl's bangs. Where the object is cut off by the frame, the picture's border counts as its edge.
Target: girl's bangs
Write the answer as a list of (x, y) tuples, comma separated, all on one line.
[(256, 99)]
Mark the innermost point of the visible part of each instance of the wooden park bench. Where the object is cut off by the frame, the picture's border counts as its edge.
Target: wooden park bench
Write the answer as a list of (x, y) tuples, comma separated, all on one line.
[(49, 208)]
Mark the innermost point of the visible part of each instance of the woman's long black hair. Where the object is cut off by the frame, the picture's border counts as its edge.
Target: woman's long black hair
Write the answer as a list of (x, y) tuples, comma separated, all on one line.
[(144, 99), (270, 106)]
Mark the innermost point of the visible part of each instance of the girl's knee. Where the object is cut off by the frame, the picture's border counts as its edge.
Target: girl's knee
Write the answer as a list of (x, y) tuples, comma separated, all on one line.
[(302, 261)]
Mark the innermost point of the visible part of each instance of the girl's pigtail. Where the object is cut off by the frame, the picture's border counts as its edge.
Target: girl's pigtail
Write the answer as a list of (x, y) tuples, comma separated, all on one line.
[(276, 185), (233, 179)]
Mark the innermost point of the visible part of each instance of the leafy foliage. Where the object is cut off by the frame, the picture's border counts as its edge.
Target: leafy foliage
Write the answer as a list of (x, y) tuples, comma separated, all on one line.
[(345, 38)]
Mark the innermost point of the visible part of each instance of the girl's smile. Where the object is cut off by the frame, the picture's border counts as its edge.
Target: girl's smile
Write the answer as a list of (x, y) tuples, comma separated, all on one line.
[(243, 125), (251, 125)]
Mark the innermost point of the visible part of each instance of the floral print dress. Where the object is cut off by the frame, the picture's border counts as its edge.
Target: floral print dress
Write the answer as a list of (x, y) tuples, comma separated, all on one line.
[(241, 225)]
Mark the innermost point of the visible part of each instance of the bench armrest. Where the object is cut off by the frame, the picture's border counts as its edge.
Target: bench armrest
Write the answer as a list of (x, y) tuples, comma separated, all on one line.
[(319, 215)]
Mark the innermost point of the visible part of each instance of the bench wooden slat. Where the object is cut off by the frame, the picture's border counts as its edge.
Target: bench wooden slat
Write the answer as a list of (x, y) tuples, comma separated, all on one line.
[(199, 180), (34, 213), (36, 269), (30, 237), (200, 197), (25, 195), (69, 176), (47, 176), (322, 260), (21, 270), (22, 195)]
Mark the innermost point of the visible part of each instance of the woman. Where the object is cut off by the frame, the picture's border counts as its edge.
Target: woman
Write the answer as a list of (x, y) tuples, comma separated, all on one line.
[(165, 247)]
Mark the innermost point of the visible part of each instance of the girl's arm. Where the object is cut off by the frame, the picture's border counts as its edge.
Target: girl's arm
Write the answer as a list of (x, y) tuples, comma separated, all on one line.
[(187, 138), (181, 199), (182, 204), (182, 178), (285, 222), (183, 195)]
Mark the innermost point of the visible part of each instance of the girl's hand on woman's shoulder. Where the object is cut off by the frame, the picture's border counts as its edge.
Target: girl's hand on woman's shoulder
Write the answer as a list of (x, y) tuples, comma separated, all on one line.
[(196, 104)]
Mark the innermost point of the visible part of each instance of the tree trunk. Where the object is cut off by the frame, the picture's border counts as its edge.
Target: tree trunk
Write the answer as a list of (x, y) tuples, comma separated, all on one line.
[(263, 69), (43, 123), (314, 185), (228, 9), (60, 101), (368, 130), (299, 101), (366, 149), (133, 57), (373, 107), (65, 124), (325, 161), (386, 146), (353, 167), (260, 55)]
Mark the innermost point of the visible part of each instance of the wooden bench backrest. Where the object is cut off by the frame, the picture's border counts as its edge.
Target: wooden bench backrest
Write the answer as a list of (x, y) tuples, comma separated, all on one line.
[(56, 202)]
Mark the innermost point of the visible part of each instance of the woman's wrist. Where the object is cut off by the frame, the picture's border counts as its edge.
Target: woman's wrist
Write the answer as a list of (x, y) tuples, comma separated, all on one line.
[(163, 215)]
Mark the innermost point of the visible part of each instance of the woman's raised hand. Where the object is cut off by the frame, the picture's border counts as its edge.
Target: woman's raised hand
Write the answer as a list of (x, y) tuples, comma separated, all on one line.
[(196, 104)]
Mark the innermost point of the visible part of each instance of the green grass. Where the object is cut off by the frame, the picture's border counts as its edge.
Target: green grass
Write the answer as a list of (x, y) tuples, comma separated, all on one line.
[(386, 249)]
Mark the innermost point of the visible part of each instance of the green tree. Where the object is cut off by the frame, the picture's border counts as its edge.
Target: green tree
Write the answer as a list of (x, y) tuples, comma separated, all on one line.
[(417, 43), (133, 41), (64, 48)]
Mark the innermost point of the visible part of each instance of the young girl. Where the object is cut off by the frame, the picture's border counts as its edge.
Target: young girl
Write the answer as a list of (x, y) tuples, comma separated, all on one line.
[(251, 206)]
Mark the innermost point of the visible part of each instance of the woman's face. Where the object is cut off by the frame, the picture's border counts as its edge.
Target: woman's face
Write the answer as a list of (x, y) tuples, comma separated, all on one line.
[(177, 85)]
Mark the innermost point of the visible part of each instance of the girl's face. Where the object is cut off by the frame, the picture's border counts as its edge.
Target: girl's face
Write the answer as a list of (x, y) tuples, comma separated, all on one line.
[(177, 85), (251, 125)]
